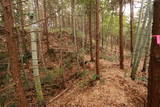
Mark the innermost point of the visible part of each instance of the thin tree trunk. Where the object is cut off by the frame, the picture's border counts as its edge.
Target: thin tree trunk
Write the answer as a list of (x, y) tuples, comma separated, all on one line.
[(97, 36), (13, 52), (22, 45), (73, 21), (121, 38), (102, 30), (142, 41), (137, 32), (46, 24), (154, 66), (146, 60), (34, 50), (131, 24), (35, 68), (90, 30)]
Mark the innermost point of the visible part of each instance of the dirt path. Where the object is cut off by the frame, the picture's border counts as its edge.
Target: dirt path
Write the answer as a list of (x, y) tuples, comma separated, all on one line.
[(113, 90)]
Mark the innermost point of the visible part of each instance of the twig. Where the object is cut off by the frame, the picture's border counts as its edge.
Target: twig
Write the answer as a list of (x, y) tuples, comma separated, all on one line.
[(58, 95), (5, 88)]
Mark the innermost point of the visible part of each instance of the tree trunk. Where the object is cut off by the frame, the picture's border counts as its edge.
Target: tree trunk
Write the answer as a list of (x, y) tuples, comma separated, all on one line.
[(73, 21), (102, 30), (142, 40), (13, 52), (131, 24), (147, 52), (121, 38), (35, 68), (90, 30), (97, 36), (45, 28), (154, 67), (34, 50), (137, 32)]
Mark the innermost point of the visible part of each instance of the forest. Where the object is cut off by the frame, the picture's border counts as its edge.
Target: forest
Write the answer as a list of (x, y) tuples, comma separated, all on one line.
[(79, 53)]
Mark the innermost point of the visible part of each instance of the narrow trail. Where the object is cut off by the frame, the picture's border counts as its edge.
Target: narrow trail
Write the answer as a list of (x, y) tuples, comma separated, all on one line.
[(115, 89)]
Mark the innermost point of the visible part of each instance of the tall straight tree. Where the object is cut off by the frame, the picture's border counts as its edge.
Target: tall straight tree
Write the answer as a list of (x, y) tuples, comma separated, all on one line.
[(137, 40), (142, 40), (154, 65), (121, 38), (36, 68), (73, 21), (13, 52), (97, 35), (131, 24), (34, 51), (90, 29), (46, 23)]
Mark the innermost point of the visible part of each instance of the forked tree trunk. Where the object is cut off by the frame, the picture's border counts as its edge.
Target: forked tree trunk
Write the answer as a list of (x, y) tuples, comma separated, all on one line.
[(121, 38), (13, 52), (154, 67), (97, 36)]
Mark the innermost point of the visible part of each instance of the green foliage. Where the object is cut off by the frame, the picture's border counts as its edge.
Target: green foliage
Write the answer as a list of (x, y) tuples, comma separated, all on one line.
[(95, 77), (53, 75), (144, 79), (88, 78), (109, 56), (3, 56), (27, 56), (6, 97)]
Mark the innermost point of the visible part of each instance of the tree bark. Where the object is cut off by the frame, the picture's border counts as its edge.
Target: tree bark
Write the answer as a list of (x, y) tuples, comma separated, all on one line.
[(154, 66), (97, 36), (46, 24), (121, 38), (131, 24), (90, 30), (13, 52), (73, 21)]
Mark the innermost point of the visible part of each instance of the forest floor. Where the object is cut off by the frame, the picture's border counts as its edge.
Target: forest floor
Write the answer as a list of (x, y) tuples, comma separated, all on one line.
[(114, 89)]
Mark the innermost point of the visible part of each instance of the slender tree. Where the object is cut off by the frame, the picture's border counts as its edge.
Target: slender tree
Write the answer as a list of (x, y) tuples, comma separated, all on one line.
[(97, 35), (46, 23), (154, 65), (131, 24), (73, 21), (90, 29), (142, 40), (36, 68), (13, 52), (121, 38), (34, 50), (137, 40)]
